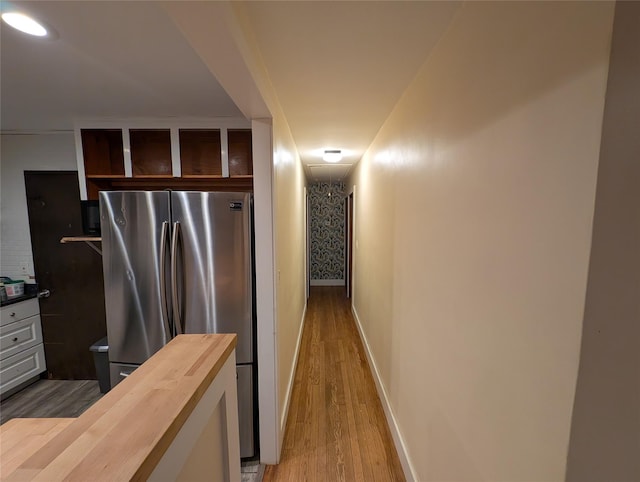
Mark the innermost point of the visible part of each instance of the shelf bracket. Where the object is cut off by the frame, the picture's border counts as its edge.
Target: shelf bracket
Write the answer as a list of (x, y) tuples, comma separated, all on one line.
[(87, 240), (94, 247)]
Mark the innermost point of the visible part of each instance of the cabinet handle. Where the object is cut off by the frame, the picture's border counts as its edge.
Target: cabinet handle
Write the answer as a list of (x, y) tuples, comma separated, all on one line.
[(15, 339), (13, 314)]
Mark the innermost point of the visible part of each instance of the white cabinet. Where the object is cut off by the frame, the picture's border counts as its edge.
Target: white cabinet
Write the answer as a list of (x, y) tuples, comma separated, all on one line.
[(21, 347), (19, 311)]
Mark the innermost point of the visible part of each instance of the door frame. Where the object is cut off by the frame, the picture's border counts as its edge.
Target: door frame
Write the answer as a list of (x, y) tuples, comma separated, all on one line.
[(307, 222), (348, 258)]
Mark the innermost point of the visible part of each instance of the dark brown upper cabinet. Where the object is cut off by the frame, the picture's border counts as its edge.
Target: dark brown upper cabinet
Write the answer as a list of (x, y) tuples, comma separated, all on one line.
[(240, 152), (151, 152), (102, 152), (200, 152), (205, 158)]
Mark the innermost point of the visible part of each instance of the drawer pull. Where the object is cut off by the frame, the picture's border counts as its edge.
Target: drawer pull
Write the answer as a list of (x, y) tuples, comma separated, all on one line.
[(15, 338), (13, 314)]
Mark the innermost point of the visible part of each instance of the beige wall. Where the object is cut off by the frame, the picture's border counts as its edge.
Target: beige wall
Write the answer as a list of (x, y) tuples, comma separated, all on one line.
[(289, 183), (473, 217), (605, 433)]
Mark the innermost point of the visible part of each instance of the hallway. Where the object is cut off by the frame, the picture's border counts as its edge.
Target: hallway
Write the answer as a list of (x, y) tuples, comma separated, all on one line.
[(336, 428)]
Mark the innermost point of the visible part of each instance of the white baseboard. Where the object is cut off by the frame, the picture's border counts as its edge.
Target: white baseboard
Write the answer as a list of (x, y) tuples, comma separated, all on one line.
[(407, 466), (327, 282), (292, 376)]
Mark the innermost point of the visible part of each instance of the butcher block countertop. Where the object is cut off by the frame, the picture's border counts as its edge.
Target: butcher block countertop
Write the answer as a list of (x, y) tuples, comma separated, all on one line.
[(125, 433)]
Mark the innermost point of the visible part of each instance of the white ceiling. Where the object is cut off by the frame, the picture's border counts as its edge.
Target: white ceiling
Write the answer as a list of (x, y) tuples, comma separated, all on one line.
[(111, 59), (338, 68)]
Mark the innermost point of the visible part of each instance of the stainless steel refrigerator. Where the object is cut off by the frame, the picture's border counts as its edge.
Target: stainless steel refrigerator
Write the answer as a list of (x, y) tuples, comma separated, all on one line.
[(179, 262)]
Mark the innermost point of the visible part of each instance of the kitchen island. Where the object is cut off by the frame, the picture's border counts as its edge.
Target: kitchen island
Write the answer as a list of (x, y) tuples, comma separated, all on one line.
[(174, 418)]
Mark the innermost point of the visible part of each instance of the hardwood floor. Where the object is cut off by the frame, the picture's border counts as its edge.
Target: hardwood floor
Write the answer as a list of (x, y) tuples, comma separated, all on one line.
[(336, 428)]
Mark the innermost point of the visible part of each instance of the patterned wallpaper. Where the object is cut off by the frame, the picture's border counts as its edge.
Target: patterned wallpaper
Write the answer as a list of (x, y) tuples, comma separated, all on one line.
[(327, 220)]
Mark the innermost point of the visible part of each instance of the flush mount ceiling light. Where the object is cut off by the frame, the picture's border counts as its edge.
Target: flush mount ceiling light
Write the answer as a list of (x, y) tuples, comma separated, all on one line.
[(332, 155), (24, 23)]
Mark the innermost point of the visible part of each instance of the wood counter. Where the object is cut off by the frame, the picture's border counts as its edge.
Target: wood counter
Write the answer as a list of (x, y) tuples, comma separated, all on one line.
[(126, 434)]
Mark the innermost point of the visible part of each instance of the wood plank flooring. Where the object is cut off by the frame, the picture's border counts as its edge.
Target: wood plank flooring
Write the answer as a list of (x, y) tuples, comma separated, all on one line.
[(336, 428), (51, 399)]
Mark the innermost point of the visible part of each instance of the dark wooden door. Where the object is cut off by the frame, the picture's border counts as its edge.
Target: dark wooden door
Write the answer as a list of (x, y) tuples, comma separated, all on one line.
[(73, 316)]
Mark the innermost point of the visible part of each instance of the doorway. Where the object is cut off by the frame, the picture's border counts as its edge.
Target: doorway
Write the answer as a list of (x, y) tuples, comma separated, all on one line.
[(326, 233), (73, 316)]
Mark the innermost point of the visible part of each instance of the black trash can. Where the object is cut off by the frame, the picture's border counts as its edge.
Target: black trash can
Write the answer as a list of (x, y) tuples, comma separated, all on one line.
[(100, 350)]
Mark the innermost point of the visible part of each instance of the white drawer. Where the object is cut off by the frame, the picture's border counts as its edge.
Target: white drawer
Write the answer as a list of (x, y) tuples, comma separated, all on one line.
[(21, 367), (20, 335), (19, 311)]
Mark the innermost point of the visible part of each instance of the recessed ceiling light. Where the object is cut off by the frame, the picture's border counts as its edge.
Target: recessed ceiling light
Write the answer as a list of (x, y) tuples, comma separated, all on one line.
[(332, 155), (24, 23)]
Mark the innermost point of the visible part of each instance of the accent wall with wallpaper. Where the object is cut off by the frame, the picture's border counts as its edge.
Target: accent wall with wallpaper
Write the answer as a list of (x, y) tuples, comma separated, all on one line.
[(326, 232)]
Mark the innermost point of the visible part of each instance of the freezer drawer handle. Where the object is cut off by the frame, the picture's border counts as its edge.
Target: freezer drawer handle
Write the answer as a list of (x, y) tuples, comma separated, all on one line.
[(124, 374)]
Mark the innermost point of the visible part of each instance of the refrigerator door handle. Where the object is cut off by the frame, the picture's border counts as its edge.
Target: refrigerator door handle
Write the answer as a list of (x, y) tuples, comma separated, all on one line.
[(163, 278), (177, 317)]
